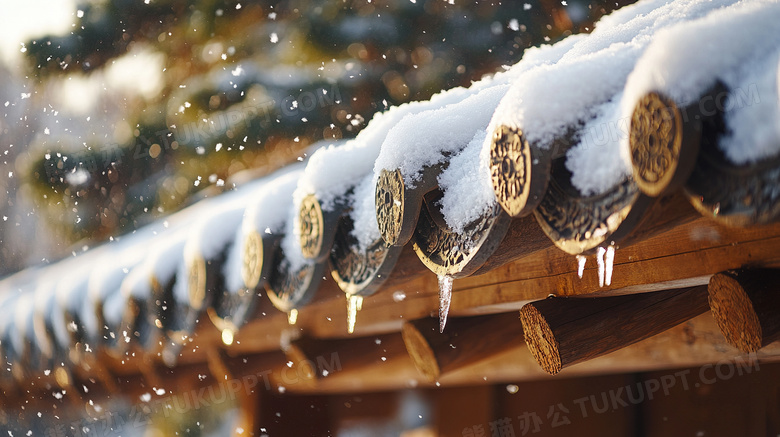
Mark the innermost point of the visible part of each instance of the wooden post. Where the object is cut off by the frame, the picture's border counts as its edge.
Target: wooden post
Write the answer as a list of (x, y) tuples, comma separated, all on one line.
[(746, 305), (466, 340), (561, 332)]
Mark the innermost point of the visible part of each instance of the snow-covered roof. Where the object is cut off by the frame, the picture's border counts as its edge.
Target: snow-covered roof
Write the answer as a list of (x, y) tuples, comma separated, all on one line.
[(564, 125)]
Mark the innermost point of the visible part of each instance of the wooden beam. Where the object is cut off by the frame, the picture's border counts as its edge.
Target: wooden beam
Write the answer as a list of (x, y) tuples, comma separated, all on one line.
[(746, 305), (702, 246), (694, 343), (561, 332), (465, 341), (382, 314)]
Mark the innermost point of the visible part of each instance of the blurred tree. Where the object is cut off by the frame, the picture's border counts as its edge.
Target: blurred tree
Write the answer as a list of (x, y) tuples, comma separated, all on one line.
[(248, 85)]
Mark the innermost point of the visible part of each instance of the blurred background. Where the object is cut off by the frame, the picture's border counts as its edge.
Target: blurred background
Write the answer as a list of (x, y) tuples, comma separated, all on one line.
[(115, 113)]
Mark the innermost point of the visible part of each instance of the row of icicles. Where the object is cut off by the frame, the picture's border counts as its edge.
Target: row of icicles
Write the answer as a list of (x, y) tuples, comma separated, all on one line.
[(605, 258)]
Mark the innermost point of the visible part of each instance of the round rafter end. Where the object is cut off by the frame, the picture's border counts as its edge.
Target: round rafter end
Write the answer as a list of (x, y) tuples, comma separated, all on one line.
[(518, 171), (390, 208), (663, 144), (311, 224), (541, 340)]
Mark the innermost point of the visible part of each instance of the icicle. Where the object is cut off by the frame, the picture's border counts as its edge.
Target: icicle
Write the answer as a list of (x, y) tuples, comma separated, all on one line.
[(581, 265), (227, 336), (292, 317), (445, 298), (600, 260), (354, 304), (609, 262)]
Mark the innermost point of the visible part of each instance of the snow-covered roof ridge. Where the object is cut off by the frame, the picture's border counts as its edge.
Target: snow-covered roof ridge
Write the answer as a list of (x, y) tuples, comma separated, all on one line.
[(548, 98), (583, 88), (734, 45), (334, 169)]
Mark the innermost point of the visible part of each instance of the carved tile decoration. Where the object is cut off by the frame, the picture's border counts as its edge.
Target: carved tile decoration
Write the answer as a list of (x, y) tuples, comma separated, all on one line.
[(458, 254), (360, 272), (655, 140), (251, 269), (161, 306), (196, 282), (510, 165), (230, 309), (310, 222), (577, 223), (137, 319), (44, 333), (287, 288), (736, 195), (390, 204)]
